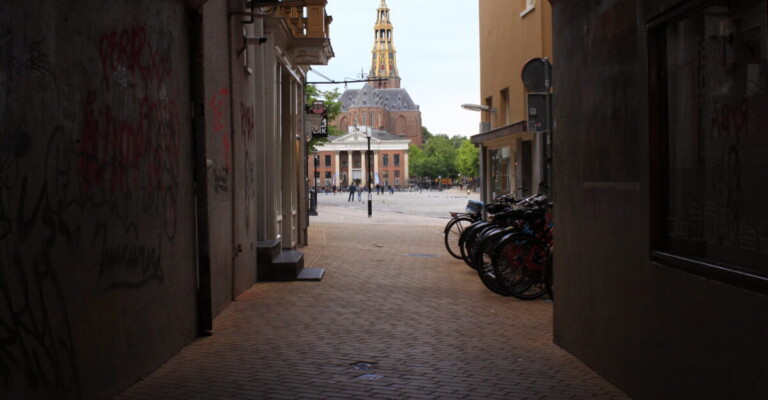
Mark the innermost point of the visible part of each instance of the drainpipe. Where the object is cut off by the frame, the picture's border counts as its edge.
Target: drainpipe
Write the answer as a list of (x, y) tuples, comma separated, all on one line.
[(200, 165)]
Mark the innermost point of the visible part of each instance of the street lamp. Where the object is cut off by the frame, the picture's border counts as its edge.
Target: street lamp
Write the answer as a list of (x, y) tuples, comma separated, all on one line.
[(370, 174), (313, 193), (478, 107)]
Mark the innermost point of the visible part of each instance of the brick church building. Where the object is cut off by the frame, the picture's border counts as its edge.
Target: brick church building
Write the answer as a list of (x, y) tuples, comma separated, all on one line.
[(380, 109)]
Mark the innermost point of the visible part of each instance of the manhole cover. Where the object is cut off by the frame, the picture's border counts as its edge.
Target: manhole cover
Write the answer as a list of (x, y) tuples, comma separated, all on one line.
[(370, 377), (363, 365)]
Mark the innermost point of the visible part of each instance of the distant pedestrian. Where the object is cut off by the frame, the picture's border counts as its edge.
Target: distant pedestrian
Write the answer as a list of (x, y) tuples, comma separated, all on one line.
[(352, 189), (391, 190)]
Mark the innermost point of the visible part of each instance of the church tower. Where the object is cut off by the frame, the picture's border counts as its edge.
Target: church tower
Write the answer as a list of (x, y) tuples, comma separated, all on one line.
[(383, 64)]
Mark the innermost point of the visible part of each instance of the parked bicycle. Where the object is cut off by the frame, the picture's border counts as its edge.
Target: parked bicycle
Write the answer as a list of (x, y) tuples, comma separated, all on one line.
[(511, 250), (522, 260), (458, 222)]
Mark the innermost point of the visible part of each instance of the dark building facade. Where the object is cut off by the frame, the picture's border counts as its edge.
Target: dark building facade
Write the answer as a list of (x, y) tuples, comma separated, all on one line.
[(661, 181), (144, 158)]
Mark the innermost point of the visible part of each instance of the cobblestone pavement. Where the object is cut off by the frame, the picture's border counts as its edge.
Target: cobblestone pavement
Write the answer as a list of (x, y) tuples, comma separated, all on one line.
[(394, 317), (426, 203)]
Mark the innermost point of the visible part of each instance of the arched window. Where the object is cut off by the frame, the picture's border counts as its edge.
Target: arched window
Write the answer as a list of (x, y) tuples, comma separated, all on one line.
[(344, 124), (401, 125)]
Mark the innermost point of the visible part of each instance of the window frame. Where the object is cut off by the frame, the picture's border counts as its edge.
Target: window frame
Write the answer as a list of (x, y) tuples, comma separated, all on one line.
[(658, 118)]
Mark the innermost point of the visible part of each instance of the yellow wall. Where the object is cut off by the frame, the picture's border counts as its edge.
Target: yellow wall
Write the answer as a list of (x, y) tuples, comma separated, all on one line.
[(507, 42)]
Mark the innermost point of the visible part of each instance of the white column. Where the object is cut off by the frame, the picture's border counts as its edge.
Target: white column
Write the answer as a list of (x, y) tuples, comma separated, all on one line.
[(363, 176), (375, 163), (336, 168), (349, 167), (405, 170)]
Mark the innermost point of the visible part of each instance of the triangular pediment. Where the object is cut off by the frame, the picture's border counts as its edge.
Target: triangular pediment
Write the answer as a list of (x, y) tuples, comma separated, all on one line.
[(355, 137)]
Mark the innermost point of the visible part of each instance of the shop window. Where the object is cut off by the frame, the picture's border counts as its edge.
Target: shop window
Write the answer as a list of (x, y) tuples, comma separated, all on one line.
[(504, 107), (486, 116), (710, 140), (499, 168)]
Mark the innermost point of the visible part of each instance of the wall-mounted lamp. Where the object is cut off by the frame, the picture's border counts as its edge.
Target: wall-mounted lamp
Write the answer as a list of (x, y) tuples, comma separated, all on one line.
[(258, 9), (478, 107)]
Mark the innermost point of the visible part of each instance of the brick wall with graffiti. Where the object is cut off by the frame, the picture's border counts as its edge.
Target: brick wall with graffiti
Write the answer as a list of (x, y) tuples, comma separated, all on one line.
[(96, 207)]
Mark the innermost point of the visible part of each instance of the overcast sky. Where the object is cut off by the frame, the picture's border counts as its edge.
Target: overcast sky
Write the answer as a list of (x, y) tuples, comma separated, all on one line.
[(437, 55)]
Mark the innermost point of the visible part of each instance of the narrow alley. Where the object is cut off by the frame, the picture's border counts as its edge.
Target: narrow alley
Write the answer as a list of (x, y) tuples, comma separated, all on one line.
[(394, 317)]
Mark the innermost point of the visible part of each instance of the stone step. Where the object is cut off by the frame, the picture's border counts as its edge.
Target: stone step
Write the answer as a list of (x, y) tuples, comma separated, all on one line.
[(268, 249), (287, 265), (311, 274)]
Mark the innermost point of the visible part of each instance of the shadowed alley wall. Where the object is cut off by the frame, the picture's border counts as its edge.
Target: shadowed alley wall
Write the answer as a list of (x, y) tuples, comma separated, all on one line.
[(97, 257)]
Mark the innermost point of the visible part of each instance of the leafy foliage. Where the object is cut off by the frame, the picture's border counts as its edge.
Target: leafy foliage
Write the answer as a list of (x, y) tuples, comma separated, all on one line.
[(333, 108), (468, 159), (425, 134), (443, 156)]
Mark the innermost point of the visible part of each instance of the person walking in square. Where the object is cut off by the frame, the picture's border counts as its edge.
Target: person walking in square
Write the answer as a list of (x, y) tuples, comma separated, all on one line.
[(352, 189)]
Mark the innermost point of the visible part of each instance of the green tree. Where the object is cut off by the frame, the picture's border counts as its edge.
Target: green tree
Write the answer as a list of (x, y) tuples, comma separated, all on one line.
[(435, 159), (425, 134), (441, 152), (416, 160), (443, 156), (468, 159), (457, 140), (333, 108)]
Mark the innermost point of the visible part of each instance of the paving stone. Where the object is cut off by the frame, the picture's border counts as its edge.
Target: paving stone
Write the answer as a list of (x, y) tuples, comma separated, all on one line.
[(428, 326)]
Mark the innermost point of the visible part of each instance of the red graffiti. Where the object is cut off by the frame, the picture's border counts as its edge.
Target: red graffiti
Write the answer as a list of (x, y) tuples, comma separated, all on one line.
[(129, 53), (129, 153), (130, 140), (731, 119), (217, 104)]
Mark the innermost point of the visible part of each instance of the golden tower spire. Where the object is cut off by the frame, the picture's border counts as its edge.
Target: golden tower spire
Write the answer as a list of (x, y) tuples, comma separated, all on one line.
[(383, 63)]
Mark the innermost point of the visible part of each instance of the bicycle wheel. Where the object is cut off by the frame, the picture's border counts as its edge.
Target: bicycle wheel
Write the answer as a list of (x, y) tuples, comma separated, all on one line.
[(483, 261), (550, 276), (467, 238), (453, 232), (518, 262), (474, 241)]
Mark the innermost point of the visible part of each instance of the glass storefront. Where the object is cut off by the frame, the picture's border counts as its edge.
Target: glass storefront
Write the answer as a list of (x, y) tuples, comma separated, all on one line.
[(717, 140), (499, 166)]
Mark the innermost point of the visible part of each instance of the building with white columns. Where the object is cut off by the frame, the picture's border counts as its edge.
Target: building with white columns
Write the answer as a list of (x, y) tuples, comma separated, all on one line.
[(381, 109), (343, 160)]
